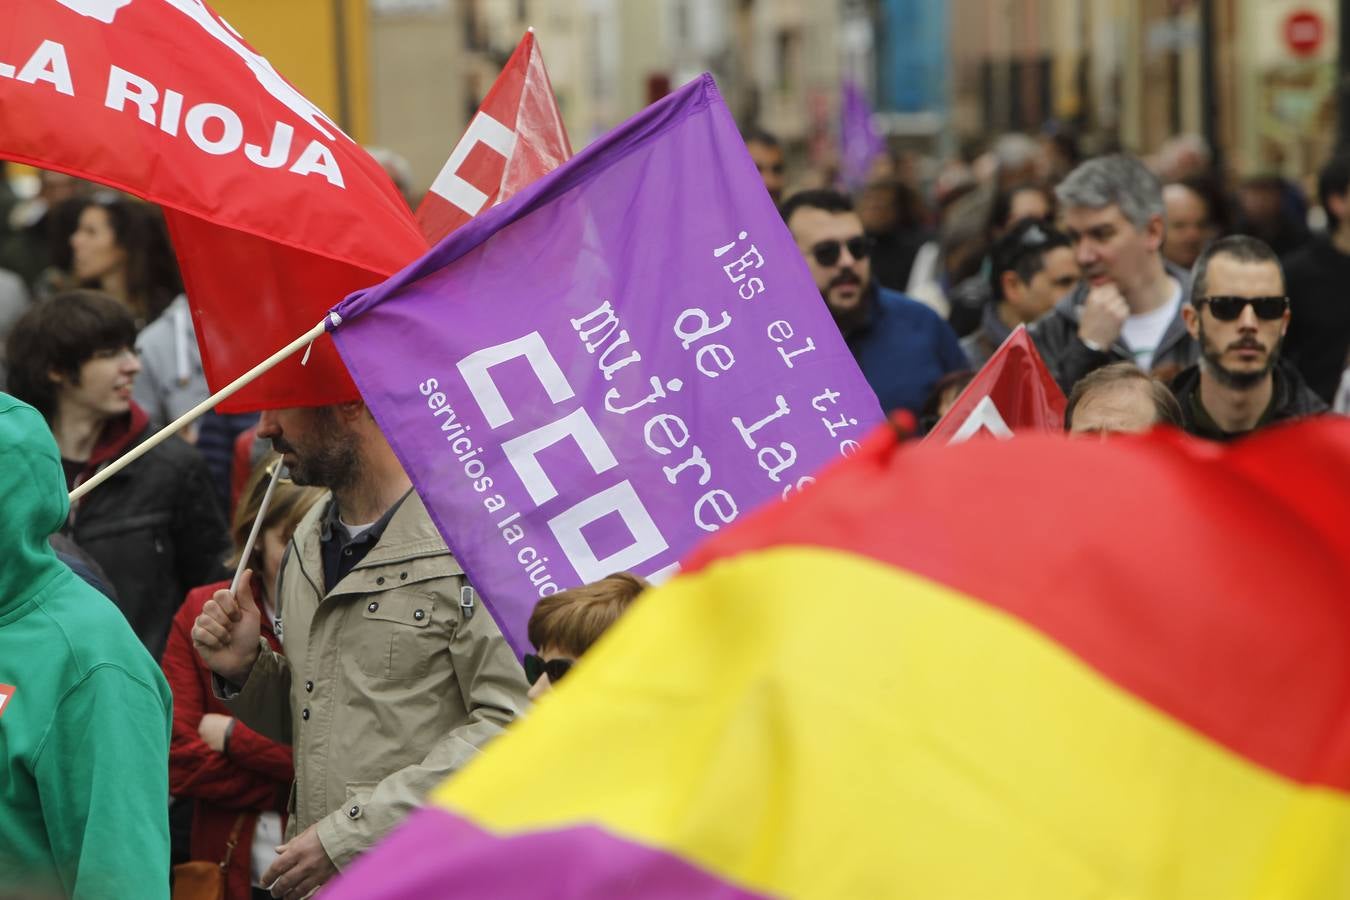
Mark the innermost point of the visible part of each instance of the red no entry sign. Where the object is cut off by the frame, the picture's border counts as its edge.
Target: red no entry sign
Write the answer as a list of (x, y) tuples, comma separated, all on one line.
[(1304, 31)]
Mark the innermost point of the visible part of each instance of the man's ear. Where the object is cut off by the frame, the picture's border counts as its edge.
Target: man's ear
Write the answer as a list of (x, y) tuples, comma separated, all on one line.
[(1156, 231), (56, 377), (352, 411), (1010, 285), (1191, 316)]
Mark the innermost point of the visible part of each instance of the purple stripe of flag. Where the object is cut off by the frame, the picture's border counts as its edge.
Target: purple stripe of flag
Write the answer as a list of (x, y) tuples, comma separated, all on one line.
[(438, 854)]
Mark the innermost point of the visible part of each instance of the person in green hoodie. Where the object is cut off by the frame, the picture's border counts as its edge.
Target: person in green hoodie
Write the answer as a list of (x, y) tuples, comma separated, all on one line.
[(85, 712)]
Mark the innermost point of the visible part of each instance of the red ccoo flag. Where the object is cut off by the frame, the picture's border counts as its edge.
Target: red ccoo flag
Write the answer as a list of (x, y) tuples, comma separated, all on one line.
[(275, 214), (1013, 392), (517, 136)]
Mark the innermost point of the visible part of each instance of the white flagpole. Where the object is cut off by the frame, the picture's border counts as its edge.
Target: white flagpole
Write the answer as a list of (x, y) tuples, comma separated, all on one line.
[(247, 550), (193, 414)]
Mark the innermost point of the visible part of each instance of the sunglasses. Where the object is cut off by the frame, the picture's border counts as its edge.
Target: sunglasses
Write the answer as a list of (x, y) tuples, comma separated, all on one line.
[(1227, 309), (536, 666), (827, 253)]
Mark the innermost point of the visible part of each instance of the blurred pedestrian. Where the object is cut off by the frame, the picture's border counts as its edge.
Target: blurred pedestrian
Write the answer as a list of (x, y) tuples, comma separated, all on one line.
[(1273, 210), (1319, 288), (84, 737), (893, 217), (1239, 313), (394, 677), (902, 346), (1032, 268), (1120, 399), (37, 232), (121, 247), (972, 296), (154, 527), (564, 625), (1128, 306), (1190, 223), (237, 780), (767, 152)]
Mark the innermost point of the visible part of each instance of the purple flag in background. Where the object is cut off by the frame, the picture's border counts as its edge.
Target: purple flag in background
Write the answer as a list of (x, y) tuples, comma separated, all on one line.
[(859, 143), (617, 362)]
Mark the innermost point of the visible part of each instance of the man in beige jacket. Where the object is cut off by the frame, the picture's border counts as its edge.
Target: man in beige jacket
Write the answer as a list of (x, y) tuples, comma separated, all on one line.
[(394, 675)]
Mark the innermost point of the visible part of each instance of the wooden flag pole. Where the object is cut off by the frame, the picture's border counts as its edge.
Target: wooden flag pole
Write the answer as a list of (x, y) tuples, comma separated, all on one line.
[(197, 411)]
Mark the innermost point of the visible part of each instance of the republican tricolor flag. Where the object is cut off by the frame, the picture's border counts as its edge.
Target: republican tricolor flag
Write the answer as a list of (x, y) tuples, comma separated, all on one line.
[(1039, 668)]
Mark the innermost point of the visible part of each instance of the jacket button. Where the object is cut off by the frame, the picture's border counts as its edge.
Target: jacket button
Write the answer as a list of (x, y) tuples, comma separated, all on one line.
[(353, 812), (309, 687), (419, 615), (380, 580), (304, 713), (374, 605), (402, 576), (347, 552)]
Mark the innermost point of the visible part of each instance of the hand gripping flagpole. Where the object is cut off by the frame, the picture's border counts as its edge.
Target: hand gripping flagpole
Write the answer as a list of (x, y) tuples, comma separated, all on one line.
[(187, 418)]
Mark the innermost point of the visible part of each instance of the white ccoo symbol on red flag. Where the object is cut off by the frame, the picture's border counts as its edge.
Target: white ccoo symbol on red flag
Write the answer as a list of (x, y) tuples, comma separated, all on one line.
[(516, 137)]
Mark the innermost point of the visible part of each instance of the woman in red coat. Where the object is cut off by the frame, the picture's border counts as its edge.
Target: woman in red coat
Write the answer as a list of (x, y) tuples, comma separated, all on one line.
[(239, 779)]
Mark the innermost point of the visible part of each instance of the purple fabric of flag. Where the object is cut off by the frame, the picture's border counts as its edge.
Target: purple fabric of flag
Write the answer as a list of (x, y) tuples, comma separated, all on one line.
[(859, 142), (578, 863), (623, 358)]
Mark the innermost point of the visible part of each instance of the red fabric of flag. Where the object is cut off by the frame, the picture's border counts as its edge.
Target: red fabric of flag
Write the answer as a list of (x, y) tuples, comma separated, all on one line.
[(275, 213), (516, 136), (1013, 392)]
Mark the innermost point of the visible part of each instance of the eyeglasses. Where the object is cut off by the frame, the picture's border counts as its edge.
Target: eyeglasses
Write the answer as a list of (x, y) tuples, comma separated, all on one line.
[(536, 666), (827, 253), (1227, 309)]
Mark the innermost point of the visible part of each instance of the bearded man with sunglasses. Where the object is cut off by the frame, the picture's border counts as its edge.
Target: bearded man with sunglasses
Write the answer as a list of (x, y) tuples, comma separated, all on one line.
[(1239, 315), (902, 346)]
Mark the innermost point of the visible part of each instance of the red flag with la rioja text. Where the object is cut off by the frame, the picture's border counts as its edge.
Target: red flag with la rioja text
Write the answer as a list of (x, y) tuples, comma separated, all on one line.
[(275, 213)]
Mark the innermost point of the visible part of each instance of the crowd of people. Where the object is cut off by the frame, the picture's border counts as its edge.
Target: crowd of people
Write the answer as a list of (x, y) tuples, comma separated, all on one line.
[(296, 720)]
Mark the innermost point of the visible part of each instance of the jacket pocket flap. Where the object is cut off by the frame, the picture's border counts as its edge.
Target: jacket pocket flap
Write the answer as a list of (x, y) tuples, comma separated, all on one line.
[(414, 610)]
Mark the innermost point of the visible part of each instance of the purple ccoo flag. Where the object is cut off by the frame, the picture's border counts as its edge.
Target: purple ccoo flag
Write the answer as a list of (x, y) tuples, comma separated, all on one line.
[(859, 143), (617, 362)]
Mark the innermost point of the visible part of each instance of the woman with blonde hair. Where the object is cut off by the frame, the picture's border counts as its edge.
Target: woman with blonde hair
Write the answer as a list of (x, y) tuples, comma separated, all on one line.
[(238, 779)]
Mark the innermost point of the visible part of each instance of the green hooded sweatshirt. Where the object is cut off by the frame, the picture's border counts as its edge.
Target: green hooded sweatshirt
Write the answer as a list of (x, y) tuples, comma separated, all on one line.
[(84, 711)]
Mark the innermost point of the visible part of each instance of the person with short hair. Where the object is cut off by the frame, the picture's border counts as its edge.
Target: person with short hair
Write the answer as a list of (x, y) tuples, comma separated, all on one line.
[(1238, 315), (564, 625), (1318, 273), (155, 527), (1120, 399), (1128, 306), (84, 710), (767, 152), (1031, 268), (902, 346)]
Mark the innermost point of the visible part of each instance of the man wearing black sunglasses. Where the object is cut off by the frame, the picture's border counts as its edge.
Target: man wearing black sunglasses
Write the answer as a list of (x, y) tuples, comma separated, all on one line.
[(902, 346), (1239, 315)]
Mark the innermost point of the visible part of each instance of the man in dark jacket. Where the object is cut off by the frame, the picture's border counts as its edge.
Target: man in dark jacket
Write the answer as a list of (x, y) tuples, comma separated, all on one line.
[(902, 346), (155, 528), (1032, 266), (1128, 306), (1239, 315), (1319, 330)]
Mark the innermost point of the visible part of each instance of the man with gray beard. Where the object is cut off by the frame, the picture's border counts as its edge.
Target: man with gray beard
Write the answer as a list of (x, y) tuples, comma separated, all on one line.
[(1239, 314)]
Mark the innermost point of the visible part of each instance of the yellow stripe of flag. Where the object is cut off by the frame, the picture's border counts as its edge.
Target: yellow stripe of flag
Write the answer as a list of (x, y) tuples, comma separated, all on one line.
[(740, 722)]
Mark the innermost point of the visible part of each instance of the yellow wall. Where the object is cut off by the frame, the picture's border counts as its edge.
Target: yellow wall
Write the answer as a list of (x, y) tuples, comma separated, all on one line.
[(299, 38)]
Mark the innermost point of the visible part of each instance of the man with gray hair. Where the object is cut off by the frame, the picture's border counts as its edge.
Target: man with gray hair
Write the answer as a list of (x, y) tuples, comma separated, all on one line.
[(1128, 306)]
